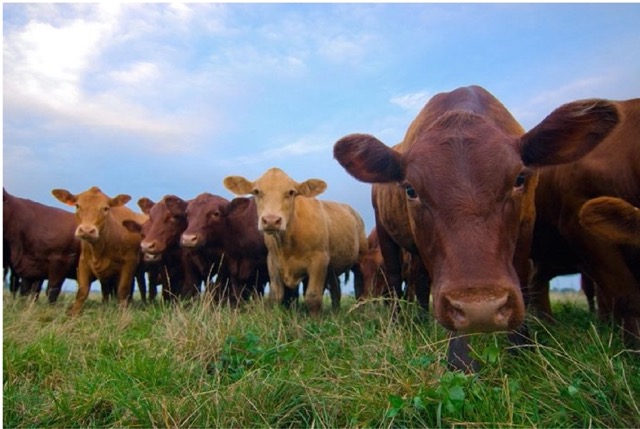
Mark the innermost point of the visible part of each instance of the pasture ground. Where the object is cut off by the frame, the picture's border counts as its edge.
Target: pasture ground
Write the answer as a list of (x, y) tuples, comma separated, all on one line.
[(200, 365)]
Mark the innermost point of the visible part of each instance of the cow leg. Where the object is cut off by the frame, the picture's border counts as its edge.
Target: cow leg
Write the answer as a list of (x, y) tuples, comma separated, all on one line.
[(125, 282), (315, 290), (53, 289), (538, 294), (84, 284), (419, 277), (142, 283), (589, 289), (392, 256), (459, 355), (334, 289), (108, 288), (276, 286)]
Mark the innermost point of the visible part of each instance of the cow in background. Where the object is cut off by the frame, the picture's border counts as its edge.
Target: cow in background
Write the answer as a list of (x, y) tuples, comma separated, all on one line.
[(465, 205), (39, 244), (305, 237), (109, 252), (612, 219), (612, 169)]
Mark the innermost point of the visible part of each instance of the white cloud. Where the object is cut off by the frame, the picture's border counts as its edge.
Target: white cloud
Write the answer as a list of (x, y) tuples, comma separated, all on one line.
[(139, 72), (413, 101), (301, 147)]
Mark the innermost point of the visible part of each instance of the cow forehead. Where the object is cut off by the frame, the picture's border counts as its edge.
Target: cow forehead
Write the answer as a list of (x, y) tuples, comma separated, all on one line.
[(92, 199), (274, 180)]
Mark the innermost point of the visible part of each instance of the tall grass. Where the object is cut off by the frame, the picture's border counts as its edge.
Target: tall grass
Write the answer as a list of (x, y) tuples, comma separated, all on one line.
[(202, 365)]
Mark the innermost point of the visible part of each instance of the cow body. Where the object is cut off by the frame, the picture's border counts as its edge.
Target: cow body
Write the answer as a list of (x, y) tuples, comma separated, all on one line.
[(612, 169), (305, 237), (465, 206), (40, 244), (109, 251)]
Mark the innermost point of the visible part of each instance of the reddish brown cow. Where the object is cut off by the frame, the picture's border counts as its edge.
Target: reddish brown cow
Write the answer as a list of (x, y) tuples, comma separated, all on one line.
[(612, 169), (108, 250), (41, 244), (467, 177)]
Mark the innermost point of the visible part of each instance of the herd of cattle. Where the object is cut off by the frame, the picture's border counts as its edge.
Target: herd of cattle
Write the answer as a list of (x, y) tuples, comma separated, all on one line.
[(470, 210)]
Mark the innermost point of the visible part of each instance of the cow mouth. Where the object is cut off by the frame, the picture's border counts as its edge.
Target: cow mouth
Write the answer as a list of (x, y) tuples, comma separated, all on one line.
[(87, 237), (152, 257)]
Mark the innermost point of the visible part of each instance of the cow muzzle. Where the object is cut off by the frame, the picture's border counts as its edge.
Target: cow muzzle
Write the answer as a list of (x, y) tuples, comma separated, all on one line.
[(271, 224), (481, 311), (191, 240), (152, 247), (87, 232)]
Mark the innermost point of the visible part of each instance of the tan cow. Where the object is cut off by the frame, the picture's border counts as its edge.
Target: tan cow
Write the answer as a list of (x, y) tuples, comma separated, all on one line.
[(305, 237), (612, 219), (108, 249)]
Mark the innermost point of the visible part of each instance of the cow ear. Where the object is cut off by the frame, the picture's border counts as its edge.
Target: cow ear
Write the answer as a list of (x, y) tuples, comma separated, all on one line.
[(238, 185), (145, 205), (132, 225), (65, 196), (569, 132), (368, 159), (176, 205), (612, 219), (119, 200), (312, 187)]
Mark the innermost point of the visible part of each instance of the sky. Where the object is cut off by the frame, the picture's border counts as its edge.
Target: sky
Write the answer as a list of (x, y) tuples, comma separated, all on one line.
[(155, 99)]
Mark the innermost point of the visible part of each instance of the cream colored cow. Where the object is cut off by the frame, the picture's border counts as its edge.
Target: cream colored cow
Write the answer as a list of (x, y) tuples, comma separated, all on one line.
[(305, 237)]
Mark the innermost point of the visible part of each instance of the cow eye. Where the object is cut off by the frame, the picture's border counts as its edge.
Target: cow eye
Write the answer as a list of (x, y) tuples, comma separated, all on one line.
[(105, 209), (292, 192), (520, 180), (411, 193)]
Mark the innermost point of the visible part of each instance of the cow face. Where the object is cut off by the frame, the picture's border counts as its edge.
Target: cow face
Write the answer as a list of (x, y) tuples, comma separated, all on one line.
[(92, 210), (465, 183), (205, 221), (167, 220), (275, 195)]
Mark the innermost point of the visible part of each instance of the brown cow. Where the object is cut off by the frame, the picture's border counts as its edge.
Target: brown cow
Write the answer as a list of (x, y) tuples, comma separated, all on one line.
[(612, 169), (613, 219), (40, 245), (108, 249), (305, 237), (467, 177)]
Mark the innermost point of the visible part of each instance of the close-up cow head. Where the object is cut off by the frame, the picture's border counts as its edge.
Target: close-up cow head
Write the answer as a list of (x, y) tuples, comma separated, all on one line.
[(466, 183)]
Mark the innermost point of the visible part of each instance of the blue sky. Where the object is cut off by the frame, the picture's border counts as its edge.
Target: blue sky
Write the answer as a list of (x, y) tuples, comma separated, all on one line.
[(155, 99)]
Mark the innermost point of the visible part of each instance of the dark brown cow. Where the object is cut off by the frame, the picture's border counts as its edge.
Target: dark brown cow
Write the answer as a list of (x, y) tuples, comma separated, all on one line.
[(160, 243), (41, 244), (109, 251), (612, 169), (467, 178), (203, 236), (245, 250)]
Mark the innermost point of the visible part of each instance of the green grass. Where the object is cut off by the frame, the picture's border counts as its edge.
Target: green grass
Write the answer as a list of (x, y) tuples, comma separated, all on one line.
[(204, 366)]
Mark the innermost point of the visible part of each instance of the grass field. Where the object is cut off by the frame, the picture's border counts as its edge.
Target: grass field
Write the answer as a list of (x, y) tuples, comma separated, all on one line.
[(206, 366)]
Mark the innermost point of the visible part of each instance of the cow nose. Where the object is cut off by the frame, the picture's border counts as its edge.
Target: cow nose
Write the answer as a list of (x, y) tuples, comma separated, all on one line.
[(271, 221), (189, 240), (148, 246), (87, 231), (482, 313)]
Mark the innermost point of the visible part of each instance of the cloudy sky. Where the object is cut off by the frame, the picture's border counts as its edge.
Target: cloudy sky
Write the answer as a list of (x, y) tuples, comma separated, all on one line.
[(155, 99)]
